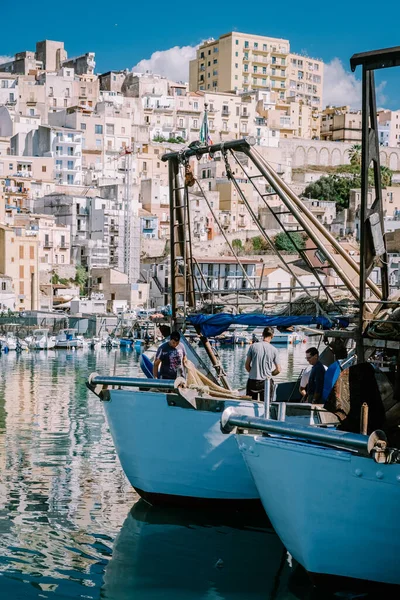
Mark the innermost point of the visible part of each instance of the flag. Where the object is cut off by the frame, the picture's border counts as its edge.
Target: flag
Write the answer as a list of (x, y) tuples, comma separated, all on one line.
[(204, 131)]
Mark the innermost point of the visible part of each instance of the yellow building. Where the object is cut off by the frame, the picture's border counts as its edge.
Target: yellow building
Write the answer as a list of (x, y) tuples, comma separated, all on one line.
[(244, 62), (341, 124), (19, 260)]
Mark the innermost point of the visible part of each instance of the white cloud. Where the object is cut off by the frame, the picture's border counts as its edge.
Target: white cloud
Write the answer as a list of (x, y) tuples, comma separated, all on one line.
[(4, 59), (342, 88), (172, 63)]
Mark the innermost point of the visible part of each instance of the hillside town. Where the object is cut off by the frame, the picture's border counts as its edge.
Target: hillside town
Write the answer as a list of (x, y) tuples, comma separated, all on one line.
[(84, 198)]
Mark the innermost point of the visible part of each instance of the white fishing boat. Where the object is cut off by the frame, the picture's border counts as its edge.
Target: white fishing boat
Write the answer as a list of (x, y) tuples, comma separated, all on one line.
[(67, 338), (333, 495), (41, 340), (336, 511), (168, 439), (12, 342)]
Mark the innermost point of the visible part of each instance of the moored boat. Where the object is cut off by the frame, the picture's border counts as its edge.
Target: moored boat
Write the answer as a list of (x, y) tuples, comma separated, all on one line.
[(67, 338), (41, 340)]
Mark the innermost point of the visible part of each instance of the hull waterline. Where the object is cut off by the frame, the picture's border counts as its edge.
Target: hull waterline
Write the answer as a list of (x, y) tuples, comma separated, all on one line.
[(335, 512)]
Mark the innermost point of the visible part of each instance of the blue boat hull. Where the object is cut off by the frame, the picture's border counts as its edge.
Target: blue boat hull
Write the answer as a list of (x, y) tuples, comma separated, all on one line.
[(336, 513)]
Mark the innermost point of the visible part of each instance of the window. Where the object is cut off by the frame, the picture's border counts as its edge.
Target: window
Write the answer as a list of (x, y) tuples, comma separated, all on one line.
[(3, 286), (58, 164), (62, 258), (255, 45), (83, 126), (70, 151), (237, 42), (264, 47), (98, 143), (246, 44), (54, 101), (32, 252), (70, 165), (70, 179), (21, 252), (109, 128), (67, 93), (32, 112), (65, 103), (195, 123), (255, 68), (98, 129), (21, 271), (195, 105), (51, 91), (43, 169), (215, 61), (122, 130)]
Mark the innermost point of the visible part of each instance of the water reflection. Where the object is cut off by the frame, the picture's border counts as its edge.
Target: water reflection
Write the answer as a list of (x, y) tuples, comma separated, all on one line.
[(64, 500), (184, 554)]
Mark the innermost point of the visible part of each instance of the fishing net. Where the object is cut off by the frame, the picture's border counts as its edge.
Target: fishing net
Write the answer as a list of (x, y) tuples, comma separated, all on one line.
[(200, 382)]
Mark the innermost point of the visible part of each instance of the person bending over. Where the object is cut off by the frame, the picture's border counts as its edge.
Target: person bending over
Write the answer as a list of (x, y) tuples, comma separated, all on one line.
[(171, 356)]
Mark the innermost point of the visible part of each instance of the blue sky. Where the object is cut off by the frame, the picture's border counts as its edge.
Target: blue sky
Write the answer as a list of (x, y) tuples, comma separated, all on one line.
[(122, 34)]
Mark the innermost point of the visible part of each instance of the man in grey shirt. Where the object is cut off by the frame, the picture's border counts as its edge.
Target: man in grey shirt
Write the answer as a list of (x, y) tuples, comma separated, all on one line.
[(261, 364)]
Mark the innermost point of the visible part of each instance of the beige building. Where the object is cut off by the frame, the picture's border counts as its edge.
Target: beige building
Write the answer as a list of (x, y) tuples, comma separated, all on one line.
[(341, 124), (243, 62), (306, 78), (19, 259), (389, 128)]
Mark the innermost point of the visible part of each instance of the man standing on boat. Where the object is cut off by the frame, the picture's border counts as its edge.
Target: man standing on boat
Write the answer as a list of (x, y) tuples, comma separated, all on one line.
[(171, 356), (315, 383), (262, 363)]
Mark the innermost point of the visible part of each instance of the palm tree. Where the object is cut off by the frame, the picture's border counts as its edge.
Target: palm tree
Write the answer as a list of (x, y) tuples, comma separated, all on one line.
[(355, 155)]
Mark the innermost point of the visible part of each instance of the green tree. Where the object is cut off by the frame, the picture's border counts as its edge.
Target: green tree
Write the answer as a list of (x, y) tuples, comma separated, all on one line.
[(355, 155), (289, 243), (237, 245), (259, 244), (333, 187), (81, 277)]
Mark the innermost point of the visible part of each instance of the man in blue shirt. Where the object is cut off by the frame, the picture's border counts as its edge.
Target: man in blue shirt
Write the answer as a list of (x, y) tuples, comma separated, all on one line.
[(315, 384), (171, 356)]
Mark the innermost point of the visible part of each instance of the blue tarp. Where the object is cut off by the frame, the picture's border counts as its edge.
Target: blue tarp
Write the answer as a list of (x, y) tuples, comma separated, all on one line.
[(211, 325)]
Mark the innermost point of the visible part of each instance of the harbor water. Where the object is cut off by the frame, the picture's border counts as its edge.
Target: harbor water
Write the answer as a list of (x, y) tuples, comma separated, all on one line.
[(72, 527)]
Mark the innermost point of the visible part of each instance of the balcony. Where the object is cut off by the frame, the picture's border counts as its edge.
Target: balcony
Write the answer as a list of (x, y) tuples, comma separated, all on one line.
[(225, 113), (64, 246), (47, 244)]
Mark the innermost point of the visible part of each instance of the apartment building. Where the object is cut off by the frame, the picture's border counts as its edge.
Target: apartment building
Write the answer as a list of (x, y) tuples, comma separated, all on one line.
[(306, 77), (389, 128), (341, 124), (18, 176), (19, 260), (240, 61), (54, 246), (9, 94)]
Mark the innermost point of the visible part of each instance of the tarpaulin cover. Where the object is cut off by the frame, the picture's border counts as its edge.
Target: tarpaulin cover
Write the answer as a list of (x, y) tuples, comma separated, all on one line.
[(211, 325)]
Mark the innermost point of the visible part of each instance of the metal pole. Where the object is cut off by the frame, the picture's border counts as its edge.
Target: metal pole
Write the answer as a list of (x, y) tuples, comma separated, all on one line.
[(238, 145), (351, 441), (301, 220), (267, 398), (173, 166), (161, 384), (317, 224)]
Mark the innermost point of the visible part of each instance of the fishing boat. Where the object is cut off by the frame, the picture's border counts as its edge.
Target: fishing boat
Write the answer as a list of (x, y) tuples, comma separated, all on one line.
[(67, 338), (41, 340), (333, 495), (167, 434)]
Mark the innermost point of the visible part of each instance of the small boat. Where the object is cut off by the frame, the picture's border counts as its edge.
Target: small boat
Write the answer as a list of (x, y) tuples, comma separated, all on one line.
[(331, 505), (286, 338), (12, 342), (41, 340), (67, 338)]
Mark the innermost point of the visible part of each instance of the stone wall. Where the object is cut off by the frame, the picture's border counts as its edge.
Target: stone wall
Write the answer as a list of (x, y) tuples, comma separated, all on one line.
[(330, 154)]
